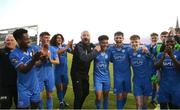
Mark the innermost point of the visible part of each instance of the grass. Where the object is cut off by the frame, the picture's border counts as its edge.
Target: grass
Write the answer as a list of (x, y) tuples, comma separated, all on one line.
[(90, 100)]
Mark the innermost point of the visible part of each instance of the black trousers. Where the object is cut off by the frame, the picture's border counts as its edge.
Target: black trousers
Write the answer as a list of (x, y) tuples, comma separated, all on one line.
[(7, 97), (81, 91)]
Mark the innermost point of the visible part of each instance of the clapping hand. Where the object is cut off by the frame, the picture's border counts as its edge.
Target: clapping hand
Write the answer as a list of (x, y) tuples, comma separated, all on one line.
[(37, 56), (45, 53), (168, 50)]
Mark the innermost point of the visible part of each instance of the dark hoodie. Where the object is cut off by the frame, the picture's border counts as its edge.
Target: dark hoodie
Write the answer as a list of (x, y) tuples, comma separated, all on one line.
[(82, 57), (8, 75)]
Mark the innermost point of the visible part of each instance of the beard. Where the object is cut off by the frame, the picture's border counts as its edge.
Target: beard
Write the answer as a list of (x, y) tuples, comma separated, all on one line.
[(86, 41)]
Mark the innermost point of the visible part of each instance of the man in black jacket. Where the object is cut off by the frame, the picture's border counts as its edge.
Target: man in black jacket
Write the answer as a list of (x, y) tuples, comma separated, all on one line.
[(84, 53), (8, 76)]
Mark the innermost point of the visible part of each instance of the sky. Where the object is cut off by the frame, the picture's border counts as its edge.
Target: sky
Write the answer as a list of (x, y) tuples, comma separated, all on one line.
[(99, 17)]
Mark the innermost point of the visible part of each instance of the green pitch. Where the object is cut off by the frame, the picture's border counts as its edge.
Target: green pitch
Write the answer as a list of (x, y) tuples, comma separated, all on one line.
[(90, 100)]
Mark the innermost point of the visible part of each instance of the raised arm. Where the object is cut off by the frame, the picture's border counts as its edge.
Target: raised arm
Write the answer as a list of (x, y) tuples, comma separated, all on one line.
[(69, 45), (86, 57)]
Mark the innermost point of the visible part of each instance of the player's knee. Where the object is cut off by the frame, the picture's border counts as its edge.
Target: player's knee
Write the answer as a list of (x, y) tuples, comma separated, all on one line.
[(124, 95), (49, 94), (119, 97)]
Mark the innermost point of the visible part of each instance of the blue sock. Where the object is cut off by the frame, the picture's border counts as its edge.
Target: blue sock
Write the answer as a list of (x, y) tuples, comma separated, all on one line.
[(124, 101), (153, 95), (144, 107), (119, 104), (60, 96), (98, 104), (41, 104), (64, 93), (105, 103), (49, 103)]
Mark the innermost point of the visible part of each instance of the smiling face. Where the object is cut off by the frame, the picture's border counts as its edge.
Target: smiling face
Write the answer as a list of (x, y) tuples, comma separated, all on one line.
[(118, 39), (10, 42), (103, 44), (135, 44), (59, 40), (170, 41), (25, 41), (154, 39)]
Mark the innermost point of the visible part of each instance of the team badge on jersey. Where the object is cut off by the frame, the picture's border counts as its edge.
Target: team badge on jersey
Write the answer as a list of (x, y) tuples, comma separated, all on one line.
[(118, 49), (14, 61), (104, 55), (139, 55), (123, 50)]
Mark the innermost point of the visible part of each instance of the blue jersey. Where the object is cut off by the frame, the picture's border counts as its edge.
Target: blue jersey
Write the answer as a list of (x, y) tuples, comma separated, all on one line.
[(139, 62), (169, 74), (47, 68), (152, 50), (121, 62), (25, 81), (62, 67), (46, 71), (169, 91), (101, 67), (152, 55)]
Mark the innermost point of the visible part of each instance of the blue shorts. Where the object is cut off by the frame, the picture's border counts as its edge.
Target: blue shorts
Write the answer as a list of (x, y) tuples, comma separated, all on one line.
[(167, 94), (122, 85), (25, 97), (49, 84), (176, 96), (46, 78), (142, 88), (102, 86), (61, 79)]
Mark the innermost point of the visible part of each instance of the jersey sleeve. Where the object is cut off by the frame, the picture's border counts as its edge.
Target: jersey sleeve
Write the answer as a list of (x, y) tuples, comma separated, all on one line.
[(54, 53), (110, 53), (15, 59), (35, 49)]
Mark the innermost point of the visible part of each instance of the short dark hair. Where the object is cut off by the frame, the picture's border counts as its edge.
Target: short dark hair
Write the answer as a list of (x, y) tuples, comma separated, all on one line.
[(164, 33), (119, 33), (134, 37), (44, 33), (18, 33), (53, 39), (103, 37), (153, 34)]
